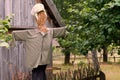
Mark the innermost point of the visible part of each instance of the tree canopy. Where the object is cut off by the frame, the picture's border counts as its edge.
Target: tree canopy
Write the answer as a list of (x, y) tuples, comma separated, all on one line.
[(91, 24)]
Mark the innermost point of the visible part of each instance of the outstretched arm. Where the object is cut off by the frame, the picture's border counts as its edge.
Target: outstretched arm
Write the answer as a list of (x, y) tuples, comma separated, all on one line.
[(57, 32), (18, 36)]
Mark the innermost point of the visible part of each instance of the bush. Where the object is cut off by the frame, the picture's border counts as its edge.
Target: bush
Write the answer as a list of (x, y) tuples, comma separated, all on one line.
[(5, 37), (81, 63)]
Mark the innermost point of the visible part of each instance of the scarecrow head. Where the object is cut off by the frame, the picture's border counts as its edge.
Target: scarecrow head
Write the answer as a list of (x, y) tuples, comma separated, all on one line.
[(39, 12)]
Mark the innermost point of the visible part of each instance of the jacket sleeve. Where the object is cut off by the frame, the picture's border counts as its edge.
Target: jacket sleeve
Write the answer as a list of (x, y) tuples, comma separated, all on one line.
[(58, 32), (18, 36)]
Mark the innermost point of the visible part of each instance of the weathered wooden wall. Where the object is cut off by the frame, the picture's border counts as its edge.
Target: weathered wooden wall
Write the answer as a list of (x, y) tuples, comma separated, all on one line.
[(22, 16), (11, 61), (21, 10)]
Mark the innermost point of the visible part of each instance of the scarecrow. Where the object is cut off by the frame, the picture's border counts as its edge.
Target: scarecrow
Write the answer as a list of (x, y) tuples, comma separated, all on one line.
[(38, 42)]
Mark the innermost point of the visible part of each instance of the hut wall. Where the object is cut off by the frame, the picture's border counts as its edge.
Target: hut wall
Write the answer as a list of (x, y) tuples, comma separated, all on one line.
[(12, 59), (21, 10)]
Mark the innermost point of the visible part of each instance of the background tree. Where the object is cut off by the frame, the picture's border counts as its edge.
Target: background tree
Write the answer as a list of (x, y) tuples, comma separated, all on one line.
[(91, 24), (102, 19), (69, 42)]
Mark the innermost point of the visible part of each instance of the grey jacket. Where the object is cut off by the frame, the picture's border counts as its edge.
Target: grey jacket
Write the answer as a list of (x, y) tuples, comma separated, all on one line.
[(37, 46)]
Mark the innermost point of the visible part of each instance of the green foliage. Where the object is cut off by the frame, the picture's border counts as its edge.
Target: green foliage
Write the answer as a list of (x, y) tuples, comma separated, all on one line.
[(69, 43), (4, 35), (81, 63), (100, 22), (91, 24)]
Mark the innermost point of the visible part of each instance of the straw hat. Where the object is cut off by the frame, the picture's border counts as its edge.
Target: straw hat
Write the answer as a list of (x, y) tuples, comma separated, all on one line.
[(37, 8)]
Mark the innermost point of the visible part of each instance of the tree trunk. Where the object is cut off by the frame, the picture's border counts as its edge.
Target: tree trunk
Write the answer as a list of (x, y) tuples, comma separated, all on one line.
[(95, 60), (67, 58), (105, 55)]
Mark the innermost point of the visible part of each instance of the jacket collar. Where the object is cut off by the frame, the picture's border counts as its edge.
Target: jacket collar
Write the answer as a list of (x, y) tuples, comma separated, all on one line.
[(43, 34)]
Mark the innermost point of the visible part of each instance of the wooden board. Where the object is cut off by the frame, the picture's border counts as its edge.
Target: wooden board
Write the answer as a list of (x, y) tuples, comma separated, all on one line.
[(2, 9), (53, 12)]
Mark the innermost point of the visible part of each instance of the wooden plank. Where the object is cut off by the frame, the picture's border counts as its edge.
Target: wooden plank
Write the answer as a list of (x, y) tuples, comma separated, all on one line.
[(13, 61), (25, 12), (2, 9), (16, 12), (21, 58), (31, 21), (22, 14), (5, 59), (51, 6), (8, 7), (11, 68), (1, 68)]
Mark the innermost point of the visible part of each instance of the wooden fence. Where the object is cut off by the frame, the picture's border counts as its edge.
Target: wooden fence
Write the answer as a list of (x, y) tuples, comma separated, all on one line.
[(82, 73), (12, 62)]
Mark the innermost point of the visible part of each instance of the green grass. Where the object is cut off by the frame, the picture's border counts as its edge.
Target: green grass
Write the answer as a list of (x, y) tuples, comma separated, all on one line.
[(112, 71)]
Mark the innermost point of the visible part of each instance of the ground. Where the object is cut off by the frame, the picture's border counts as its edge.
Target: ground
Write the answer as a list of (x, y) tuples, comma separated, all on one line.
[(111, 69)]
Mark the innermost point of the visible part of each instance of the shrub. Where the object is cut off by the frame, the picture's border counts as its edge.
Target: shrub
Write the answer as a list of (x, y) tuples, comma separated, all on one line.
[(5, 37)]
